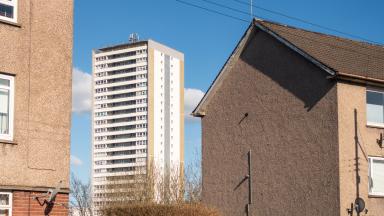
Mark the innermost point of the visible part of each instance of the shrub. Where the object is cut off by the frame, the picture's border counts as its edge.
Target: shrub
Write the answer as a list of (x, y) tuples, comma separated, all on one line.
[(160, 210)]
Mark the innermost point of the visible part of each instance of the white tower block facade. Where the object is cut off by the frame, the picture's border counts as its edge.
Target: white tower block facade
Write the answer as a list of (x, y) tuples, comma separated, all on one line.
[(138, 112)]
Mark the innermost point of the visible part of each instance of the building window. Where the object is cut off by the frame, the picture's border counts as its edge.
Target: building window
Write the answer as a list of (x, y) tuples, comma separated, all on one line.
[(376, 176), (8, 10), (375, 108), (6, 107), (5, 203)]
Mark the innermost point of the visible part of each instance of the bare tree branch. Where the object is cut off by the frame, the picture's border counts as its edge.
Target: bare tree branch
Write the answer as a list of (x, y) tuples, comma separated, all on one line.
[(80, 198)]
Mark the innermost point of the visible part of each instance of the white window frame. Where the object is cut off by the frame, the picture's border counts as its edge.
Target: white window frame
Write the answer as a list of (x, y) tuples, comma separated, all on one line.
[(14, 4), (373, 124), (372, 193), (11, 88), (9, 206)]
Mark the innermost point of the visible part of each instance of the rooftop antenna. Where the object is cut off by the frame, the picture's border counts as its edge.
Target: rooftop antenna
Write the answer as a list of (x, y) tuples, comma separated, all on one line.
[(133, 38)]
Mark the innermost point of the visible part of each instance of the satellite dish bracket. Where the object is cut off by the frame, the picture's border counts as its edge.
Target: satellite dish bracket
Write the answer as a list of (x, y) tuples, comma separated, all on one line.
[(380, 141), (50, 201)]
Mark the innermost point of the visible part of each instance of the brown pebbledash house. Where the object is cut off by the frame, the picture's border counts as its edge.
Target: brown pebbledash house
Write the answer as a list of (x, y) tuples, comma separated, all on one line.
[(309, 108), (35, 106)]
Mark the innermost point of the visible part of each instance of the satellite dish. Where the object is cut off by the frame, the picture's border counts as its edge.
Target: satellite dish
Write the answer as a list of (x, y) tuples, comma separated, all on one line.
[(359, 204), (51, 195), (49, 202)]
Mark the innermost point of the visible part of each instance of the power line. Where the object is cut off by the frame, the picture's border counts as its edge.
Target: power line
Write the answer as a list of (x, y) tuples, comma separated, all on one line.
[(218, 12), (240, 19), (226, 7), (307, 22), (272, 12), (212, 11)]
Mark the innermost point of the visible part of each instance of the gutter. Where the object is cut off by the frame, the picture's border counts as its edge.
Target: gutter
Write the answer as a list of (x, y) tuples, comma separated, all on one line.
[(359, 79)]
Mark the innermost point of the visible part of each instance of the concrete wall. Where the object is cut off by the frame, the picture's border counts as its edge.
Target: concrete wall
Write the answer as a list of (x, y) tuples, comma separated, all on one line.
[(352, 97), (167, 109), (291, 129), (166, 103), (38, 51), (173, 147)]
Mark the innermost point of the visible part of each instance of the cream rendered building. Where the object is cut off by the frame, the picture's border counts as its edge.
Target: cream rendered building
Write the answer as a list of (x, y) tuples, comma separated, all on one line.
[(138, 97)]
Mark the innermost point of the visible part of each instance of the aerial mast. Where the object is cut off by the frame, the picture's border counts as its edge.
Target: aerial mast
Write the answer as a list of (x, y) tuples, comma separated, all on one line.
[(251, 10)]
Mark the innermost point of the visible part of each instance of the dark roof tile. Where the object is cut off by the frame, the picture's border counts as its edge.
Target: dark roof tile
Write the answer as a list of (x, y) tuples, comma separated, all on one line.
[(340, 54)]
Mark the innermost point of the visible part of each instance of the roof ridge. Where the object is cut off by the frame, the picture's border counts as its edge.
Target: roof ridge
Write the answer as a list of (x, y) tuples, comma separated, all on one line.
[(261, 21)]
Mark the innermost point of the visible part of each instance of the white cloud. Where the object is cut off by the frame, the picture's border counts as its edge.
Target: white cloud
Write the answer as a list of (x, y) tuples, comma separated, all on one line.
[(82, 95), (81, 91), (75, 161), (192, 98)]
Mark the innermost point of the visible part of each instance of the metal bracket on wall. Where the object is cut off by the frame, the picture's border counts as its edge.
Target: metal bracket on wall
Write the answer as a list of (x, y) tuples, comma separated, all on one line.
[(49, 200), (380, 140), (350, 210)]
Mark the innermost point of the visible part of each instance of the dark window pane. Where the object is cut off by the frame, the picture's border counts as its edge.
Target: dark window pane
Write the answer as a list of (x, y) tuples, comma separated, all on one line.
[(375, 98), (4, 199), (6, 10)]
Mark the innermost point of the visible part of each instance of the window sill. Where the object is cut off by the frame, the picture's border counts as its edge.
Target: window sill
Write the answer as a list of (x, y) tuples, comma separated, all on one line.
[(10, 23), (375, 125), (375, 196), (8, 142)]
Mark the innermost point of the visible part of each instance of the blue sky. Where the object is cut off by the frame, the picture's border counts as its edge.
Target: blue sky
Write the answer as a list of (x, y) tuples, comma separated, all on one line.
[(205, 38)]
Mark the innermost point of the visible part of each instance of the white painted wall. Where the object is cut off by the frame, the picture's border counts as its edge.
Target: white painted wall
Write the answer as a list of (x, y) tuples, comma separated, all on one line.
[(159, 117)]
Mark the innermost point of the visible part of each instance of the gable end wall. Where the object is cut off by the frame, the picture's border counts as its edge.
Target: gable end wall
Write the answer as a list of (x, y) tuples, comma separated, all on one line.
[(291, 129)]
